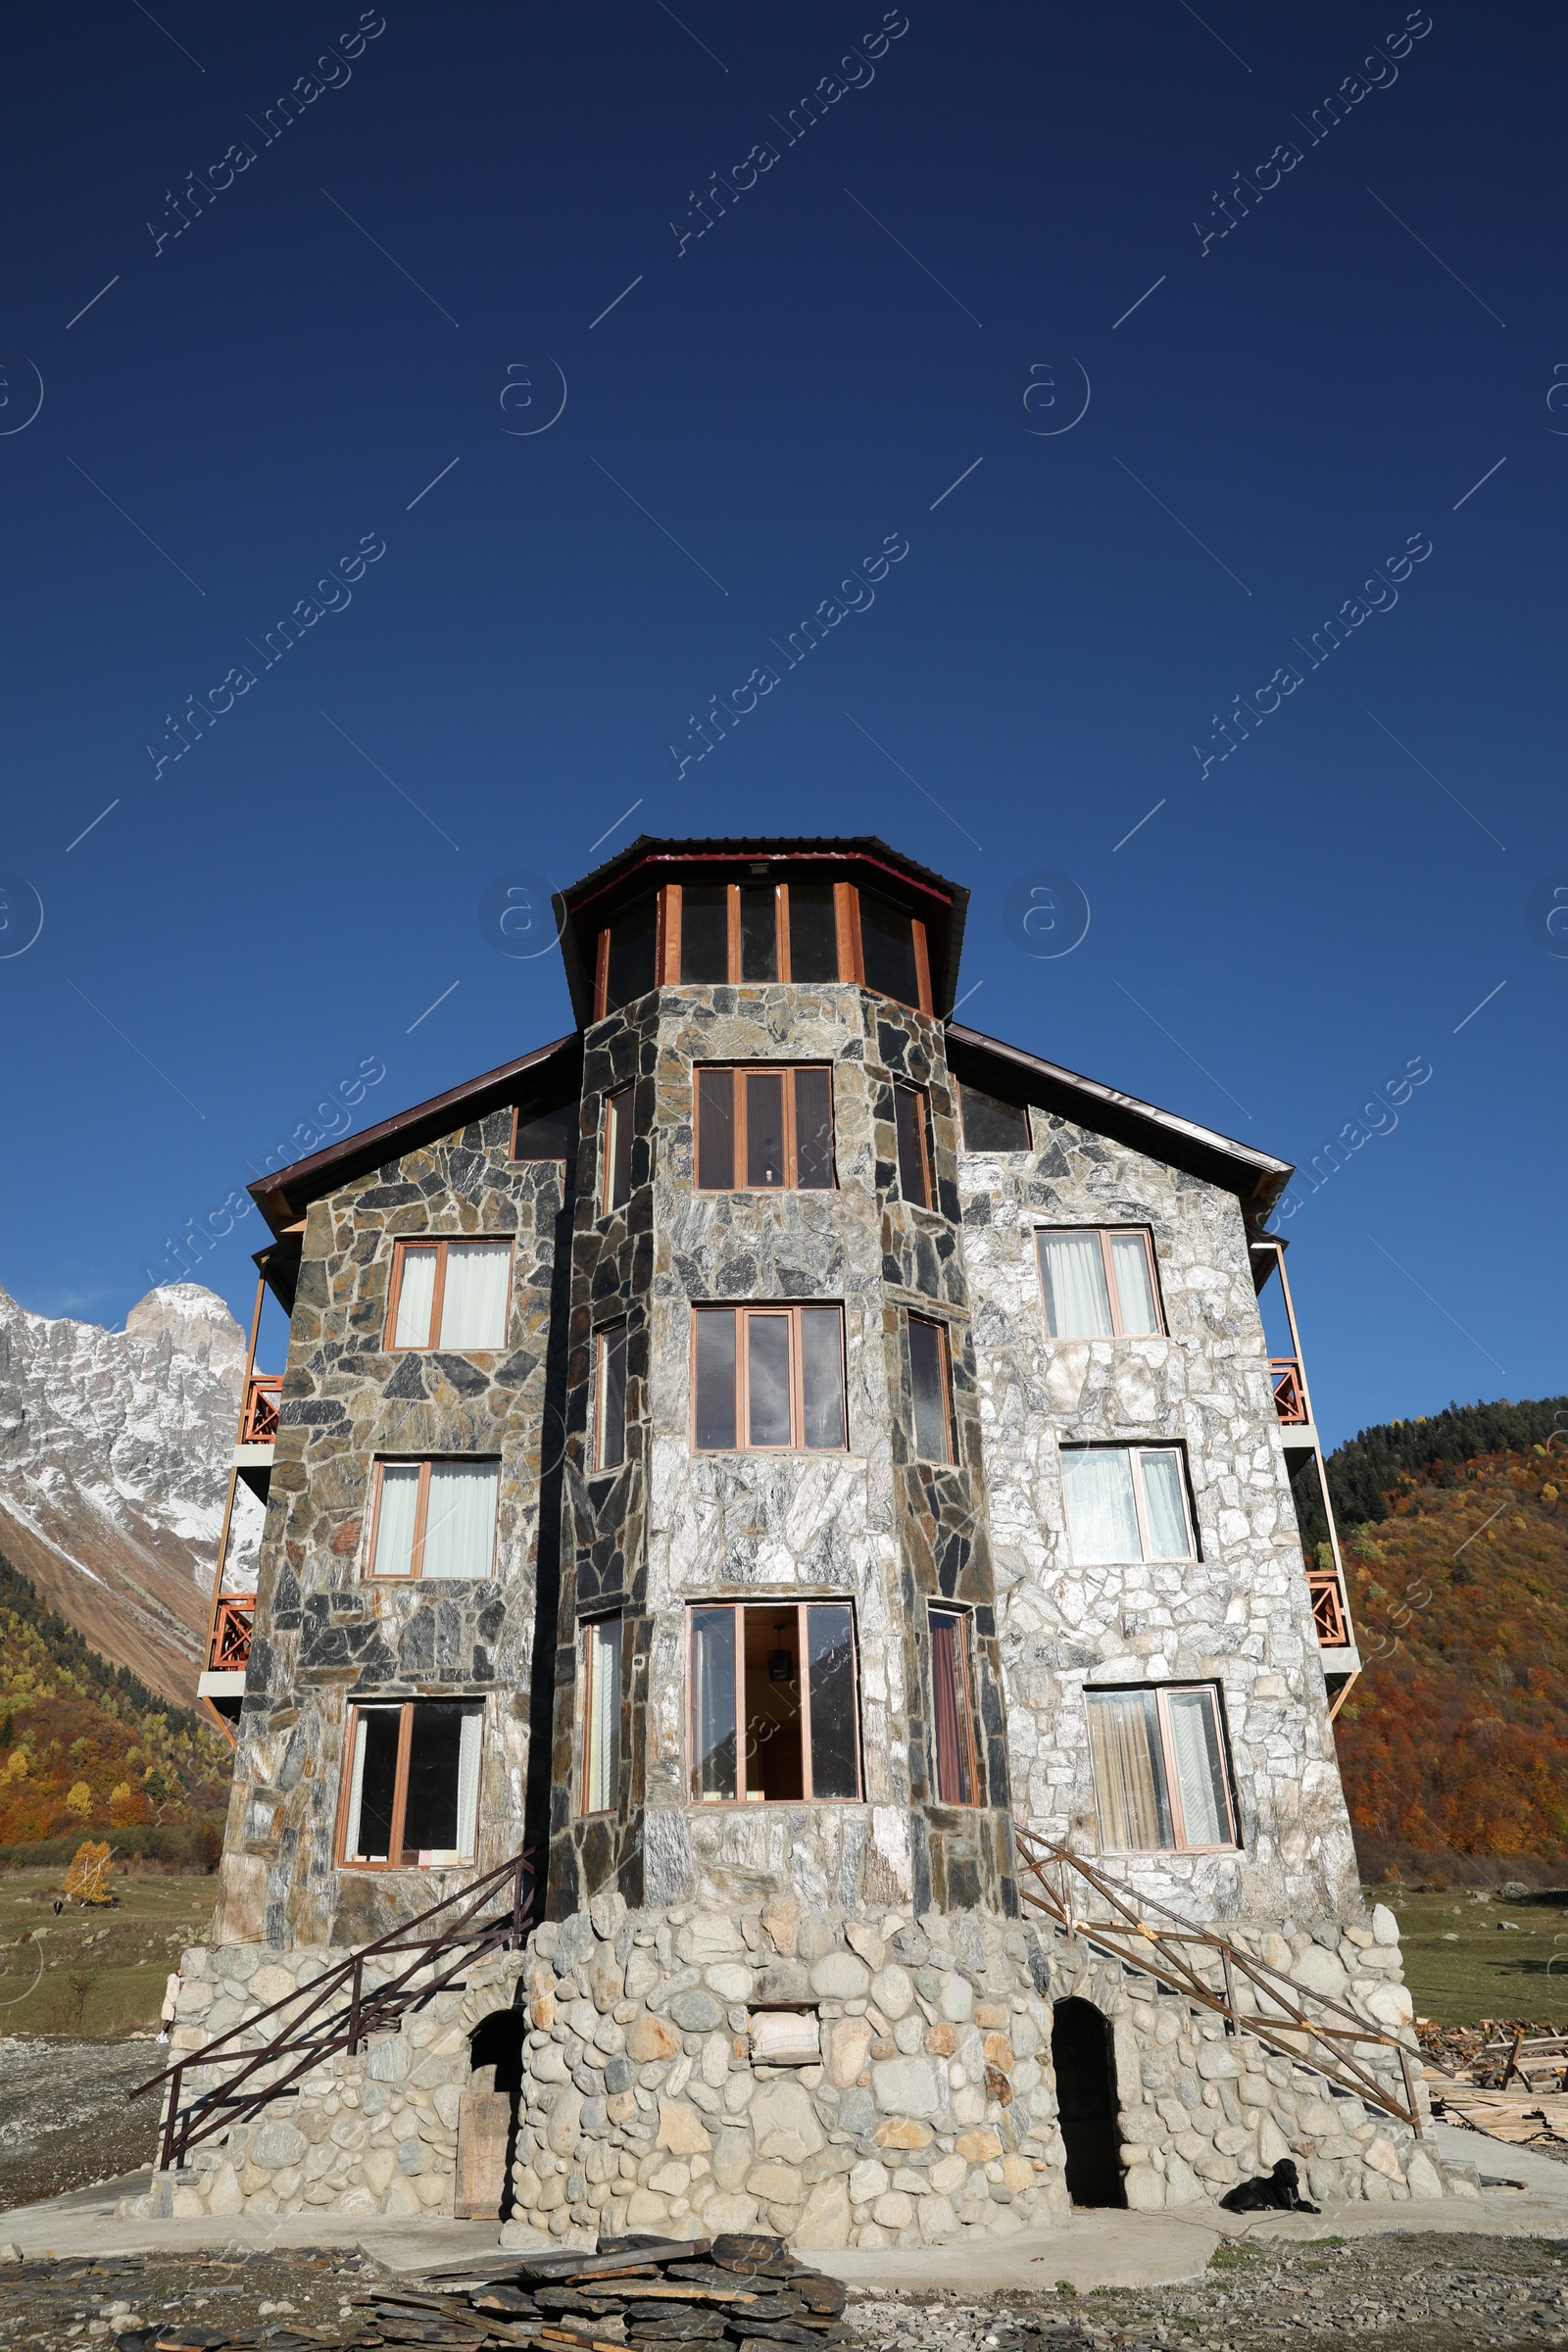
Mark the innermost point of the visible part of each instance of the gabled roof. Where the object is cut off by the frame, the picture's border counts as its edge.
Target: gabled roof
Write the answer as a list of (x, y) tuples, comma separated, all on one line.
[(1255, 1177)]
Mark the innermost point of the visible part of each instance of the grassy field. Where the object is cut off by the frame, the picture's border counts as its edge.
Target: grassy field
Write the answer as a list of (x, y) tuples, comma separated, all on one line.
[(104, 1970), (1461, 1964)]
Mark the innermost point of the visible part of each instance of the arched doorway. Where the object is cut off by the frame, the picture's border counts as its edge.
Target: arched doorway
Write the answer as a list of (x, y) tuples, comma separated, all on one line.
[(487, 2120), (1085, 2062)]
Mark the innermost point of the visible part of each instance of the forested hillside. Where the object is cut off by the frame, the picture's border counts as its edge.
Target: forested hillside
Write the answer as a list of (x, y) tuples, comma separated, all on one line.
[(1454, 1742)]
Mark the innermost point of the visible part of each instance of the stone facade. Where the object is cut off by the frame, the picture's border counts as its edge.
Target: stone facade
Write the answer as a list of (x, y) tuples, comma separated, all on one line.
[(896, 1926)]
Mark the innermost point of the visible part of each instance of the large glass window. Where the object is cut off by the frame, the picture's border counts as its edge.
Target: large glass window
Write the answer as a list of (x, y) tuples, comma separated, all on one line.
[(814, 932), (952, 1720), (704, 932), (435, 1518), (610, 1433), (1161, 1780), (412, 1794), (451, 1294), (1098, 1284), (628, 951), (601, 1714), (768, 1378), (774, 1706), (765, 1128), (928, 1391), (888, 950), (990, 1124), (1126, 1502)]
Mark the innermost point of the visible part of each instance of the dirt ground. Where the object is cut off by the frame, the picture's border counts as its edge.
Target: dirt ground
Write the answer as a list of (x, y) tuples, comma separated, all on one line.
[(64, 2117)]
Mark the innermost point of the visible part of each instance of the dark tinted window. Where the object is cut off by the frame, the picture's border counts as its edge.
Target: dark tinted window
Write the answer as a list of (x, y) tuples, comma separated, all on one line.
[(813, 1130), (814, 932), (619, 1134), (705, 931), (715, 1130), (764, 1129), (989, 1125), (431, 1807), (631, 956), (546, 1134), (928, 1385), (759, 933), (908, 1107), (887, 949), (613, 1397), (715, 1378)]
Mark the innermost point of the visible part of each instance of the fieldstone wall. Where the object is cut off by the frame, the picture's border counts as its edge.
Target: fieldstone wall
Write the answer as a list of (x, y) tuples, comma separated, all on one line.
[(1239, 1616), (323, 1633)]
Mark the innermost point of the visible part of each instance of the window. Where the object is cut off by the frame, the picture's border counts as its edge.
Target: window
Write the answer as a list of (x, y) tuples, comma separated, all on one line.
[(991, 1125), (546, 1134), (814, 932), (618, 1132), (767, 1378), (892, 944), (451, 1294), (627, 957), (704, 932), (1161, 1780), (928, 1391), (762, 1129), (1126, 1502), (952, 1716), (774, 1713), (611, 1418), (434, 1519), (601, 1714), (915, 1156), (1099, 1285), (412, 1785)]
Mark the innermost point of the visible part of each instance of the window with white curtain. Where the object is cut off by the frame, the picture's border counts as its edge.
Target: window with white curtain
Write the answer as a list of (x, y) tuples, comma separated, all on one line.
[(1160, 1778), (601, 1714), (1098, 1283), (451, 1294), (1126, 1502), (412, 1798), (435, 1518)]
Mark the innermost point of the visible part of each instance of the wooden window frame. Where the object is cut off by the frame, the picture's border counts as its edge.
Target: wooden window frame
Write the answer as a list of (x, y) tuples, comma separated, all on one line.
[(964, 1619), (1105, 1233), (780, 1607), (1136, 1451), (587, 1627), (922, 1120), (945, 1352), (525, 1116), (427, 1462), (400, 1788), (441, 1243), (792, 1310), (602, 1337), (846, 922), (1163, 1694), (609, 1206), (787, 1070)]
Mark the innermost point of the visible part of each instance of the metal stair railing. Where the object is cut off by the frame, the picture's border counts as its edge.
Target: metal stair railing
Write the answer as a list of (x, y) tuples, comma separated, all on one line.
[(1159, 1952), (310, 2036)]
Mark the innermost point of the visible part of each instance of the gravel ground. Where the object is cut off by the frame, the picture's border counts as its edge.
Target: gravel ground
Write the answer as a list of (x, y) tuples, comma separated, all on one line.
[(129, 2300), (1382, 2294), (64, 2117)]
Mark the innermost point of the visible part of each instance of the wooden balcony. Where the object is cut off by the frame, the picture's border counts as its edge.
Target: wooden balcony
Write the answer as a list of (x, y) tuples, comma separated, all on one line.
[(258, 1422), (229, 1649), (1289, 1391), (1332, 1617)]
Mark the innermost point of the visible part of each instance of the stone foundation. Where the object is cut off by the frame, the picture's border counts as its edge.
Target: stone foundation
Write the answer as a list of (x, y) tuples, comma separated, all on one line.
[(930, 2115)]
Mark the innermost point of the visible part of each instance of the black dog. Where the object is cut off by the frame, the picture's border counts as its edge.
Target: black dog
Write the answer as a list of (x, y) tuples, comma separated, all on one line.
[(1281, 2192)]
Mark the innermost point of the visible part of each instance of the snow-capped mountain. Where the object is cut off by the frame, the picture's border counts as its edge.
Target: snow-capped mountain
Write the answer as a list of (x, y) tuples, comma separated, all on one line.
[(114, 1450)]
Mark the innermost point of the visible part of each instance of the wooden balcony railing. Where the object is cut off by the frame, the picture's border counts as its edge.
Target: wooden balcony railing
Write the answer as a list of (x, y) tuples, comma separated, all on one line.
[(1328, 1608), (1290, 1390), (230, 1647), (258, 1424)]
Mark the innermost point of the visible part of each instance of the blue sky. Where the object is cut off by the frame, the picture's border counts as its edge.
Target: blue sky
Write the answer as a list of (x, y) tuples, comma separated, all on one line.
[(273, 349)]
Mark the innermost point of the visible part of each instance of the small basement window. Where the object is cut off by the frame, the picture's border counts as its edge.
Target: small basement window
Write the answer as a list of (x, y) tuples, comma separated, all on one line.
[(412, 1786), (785, 2036)]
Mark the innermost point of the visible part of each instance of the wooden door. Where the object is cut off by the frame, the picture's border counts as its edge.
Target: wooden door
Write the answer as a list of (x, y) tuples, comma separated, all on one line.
[(484, 2127)]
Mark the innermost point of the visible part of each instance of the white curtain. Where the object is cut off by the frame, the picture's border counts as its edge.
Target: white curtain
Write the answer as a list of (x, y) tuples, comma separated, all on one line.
[(604, 1714), (394, 1519), (473, 1306), (351, 1841), (1077, 1302), (1162, 1506), (1198, 1767), (1101, 1522), (459, 1527), (1134, 1293), (467, 1830), (415, 1298), (1129, 1779)]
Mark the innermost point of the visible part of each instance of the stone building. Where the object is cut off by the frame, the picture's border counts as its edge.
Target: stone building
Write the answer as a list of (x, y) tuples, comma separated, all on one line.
[(766, 1452)]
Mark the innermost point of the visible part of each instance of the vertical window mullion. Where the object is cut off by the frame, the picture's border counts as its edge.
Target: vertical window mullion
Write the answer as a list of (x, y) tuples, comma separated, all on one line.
[(421, 1514), (1135, 1462), (1173, 1786), (732, 910), (400, 1791), (439, 1298), (739, 1652), (803, 1668), (797, 1383), (738, 1098), (1110, 1284), (787, 1076), (781, 931)]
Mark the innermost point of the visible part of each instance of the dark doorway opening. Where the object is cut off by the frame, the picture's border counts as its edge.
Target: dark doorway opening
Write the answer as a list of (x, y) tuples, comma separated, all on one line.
[(497, 2044), (1085, 2063)]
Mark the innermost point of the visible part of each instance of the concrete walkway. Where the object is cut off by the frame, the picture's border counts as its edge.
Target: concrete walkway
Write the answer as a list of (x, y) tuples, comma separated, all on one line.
[(1523, 2195)]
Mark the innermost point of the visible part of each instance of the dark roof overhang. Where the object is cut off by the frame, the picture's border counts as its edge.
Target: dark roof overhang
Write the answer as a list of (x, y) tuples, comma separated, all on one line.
[(1255, 1178), (583, 909)]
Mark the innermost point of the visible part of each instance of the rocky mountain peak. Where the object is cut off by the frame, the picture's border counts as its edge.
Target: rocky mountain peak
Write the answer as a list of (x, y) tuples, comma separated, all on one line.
[(195, 1322)]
